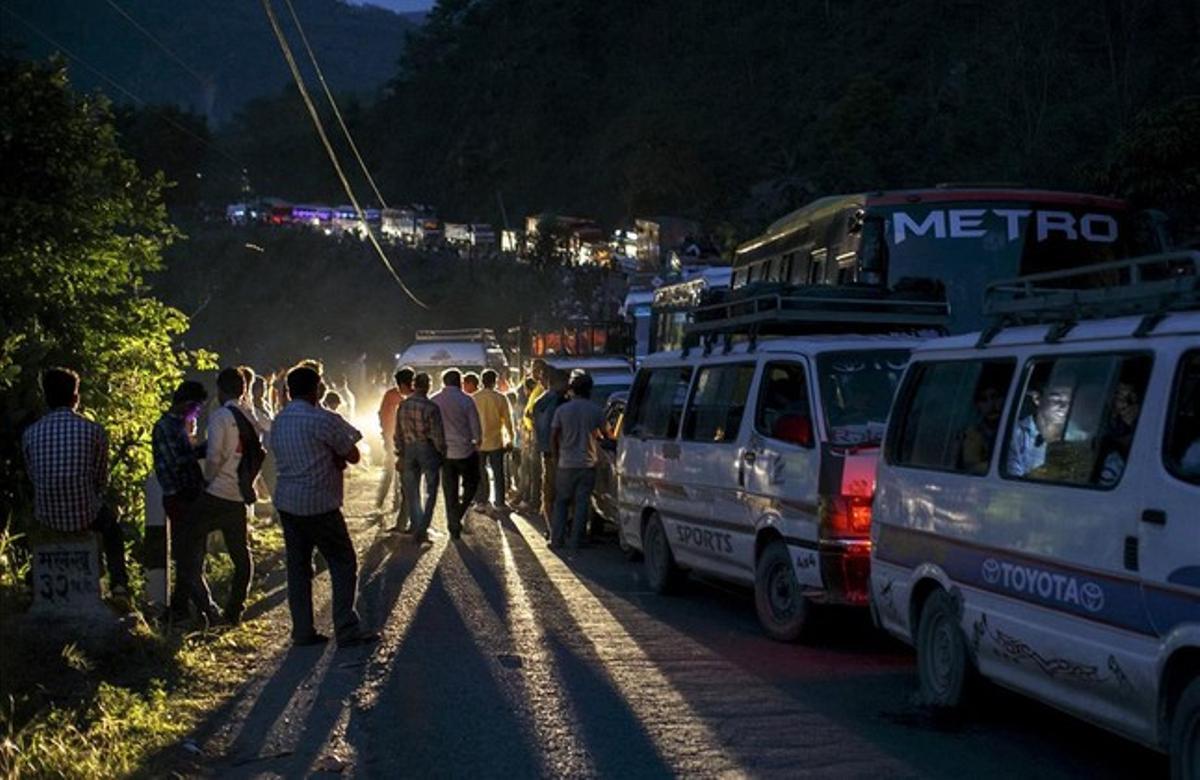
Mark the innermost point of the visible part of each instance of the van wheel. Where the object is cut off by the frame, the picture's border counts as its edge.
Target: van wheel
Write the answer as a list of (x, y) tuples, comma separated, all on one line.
[(628, 550), (1185, 734), (662, 573), (943, 667), (778, 598)]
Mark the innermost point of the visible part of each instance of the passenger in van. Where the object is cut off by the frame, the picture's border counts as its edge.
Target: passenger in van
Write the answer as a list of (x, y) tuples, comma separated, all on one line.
[(980, 437), (1046, 425), (786, 412), (1115, 450)]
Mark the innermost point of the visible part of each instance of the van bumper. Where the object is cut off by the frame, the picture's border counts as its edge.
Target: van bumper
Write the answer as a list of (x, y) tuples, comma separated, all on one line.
[(846, 571)]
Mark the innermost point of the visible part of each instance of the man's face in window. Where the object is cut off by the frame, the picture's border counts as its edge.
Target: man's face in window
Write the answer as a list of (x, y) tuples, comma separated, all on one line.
[(1053, 405)]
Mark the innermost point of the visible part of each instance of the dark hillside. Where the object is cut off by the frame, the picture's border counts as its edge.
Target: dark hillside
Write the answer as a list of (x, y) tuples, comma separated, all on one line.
[(228, 43)]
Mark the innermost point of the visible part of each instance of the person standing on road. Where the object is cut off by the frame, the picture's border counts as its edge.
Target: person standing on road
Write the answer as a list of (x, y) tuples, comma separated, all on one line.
[(470, 383), (531, 495), (66, 456), (543, 418), (177, 468), (420, 448), (392, 480), (460, 470), (575, 429), (312, 448), (233, 458), (495, 420)]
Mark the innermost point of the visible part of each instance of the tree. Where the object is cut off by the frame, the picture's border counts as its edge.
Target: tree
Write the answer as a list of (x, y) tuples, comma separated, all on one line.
[(79, 228)]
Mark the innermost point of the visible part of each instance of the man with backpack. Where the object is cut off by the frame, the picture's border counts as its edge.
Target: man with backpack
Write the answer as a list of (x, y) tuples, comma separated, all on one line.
[(233, 459)]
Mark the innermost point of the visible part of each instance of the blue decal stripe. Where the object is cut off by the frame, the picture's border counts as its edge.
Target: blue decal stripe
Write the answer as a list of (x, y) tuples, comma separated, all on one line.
[(1103, 598)]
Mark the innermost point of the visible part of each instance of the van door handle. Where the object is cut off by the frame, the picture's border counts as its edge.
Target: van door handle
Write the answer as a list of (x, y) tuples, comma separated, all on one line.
[(1154, 516), (749, 457)]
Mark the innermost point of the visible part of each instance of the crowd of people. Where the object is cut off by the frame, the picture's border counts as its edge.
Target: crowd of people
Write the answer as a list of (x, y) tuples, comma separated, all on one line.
[(533, 448)]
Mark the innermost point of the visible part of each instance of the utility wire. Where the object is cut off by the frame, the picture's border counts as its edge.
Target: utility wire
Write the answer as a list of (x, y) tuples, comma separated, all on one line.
[(204, 81), (117, 86), (337, 167), (333, 103)]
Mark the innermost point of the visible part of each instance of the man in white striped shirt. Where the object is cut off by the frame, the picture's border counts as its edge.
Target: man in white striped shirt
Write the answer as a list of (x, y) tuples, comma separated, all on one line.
[(312, 447)]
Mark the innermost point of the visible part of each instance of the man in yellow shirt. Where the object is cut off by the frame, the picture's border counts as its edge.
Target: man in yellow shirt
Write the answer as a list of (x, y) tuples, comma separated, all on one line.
[(496, 424)]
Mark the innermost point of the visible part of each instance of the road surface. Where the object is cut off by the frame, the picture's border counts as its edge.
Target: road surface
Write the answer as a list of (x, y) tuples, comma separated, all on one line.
[(501, 658)]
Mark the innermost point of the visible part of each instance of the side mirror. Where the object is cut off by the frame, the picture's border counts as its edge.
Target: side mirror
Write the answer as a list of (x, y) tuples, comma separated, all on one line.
[(794, 429)]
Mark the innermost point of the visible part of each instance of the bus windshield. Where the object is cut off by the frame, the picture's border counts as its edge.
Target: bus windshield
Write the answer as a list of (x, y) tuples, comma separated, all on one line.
[(968, 245), (856, 393)]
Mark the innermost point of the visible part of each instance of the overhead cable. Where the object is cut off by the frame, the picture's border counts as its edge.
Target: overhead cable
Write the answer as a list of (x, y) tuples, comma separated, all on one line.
[(333, 103), (337, 167)]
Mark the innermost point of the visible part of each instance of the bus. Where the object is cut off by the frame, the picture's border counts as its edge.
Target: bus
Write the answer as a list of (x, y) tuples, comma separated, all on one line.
[(673, 305), (963, 237)]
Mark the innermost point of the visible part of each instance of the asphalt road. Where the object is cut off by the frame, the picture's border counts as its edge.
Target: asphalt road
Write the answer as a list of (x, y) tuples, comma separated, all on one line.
[(501, 658)]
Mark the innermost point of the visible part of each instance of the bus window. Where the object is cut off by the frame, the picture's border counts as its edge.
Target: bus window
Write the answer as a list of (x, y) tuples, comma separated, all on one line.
[(816, 271)]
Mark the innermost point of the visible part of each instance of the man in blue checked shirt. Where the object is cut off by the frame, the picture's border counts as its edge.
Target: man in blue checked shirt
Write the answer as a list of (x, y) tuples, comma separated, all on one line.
[(312, 447), (177, 468)]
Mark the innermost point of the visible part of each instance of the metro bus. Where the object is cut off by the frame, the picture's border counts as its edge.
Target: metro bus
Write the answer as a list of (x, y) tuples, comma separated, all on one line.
[(964, 237)]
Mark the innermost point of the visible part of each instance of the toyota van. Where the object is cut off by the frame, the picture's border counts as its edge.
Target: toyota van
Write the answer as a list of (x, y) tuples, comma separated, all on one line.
[(1037, 512)]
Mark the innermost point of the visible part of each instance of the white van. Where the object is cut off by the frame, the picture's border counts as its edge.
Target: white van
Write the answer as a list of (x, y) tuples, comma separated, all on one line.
[(1037, 510), (468, 349), (756, 464)]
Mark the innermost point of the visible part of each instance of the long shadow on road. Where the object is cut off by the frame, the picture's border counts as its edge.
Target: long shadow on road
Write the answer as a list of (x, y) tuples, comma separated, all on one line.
[(853, 675)]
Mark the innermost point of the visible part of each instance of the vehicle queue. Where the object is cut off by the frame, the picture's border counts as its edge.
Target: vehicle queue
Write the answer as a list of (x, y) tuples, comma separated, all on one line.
[(1016, 500), (1018, 503)]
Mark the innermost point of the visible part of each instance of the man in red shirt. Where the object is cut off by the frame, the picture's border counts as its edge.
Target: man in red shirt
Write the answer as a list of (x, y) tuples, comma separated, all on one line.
[(390, 482)]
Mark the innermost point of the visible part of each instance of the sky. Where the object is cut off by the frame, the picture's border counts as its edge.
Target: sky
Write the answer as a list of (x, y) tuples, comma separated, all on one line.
[(401, 6)]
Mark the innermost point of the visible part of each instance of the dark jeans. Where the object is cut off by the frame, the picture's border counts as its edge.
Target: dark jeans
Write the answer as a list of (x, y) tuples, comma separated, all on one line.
[(420, 461), (326, 533), (113, 542), (210, 514), (183, 552), (494, 460), (460, 480), (572, 487)]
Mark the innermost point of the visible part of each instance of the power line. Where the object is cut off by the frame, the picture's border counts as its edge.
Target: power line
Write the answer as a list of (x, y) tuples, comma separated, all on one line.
[(204, 81), (117, 86), (337, 166), (333, 103)]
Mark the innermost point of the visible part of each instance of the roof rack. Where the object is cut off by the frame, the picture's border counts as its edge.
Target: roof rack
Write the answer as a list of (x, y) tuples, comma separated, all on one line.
[(460, 334), (816, 309), (1151, 286)]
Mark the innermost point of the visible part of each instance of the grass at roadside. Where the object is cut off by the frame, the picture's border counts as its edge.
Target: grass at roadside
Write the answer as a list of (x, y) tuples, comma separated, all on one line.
[(100, 709)]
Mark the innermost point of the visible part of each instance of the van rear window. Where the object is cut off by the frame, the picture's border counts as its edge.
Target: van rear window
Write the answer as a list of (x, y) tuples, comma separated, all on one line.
[(656, 409), (856, 393)]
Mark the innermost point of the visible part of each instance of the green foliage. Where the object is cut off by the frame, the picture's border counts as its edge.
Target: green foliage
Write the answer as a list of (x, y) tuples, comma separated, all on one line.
[(79, 229)]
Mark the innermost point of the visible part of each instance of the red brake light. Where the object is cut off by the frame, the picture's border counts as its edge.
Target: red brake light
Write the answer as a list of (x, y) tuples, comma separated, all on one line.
[(846, 515)]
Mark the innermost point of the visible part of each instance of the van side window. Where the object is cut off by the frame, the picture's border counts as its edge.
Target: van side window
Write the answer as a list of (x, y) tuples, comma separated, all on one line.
[(658, 403), (1181, 448), (950, 415), (1075, 419), (784, 413), (718, 403)]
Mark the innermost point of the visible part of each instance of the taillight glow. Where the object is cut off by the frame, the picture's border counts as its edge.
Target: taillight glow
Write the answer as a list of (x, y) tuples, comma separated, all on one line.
[(846, 516)]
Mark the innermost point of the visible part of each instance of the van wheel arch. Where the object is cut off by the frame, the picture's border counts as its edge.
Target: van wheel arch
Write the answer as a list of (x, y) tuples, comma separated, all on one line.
[(1179, 671), (921, 592), (765, 536)]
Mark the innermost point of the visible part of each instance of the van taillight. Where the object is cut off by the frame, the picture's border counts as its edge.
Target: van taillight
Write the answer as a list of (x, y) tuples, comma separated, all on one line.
[(846, 515)]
